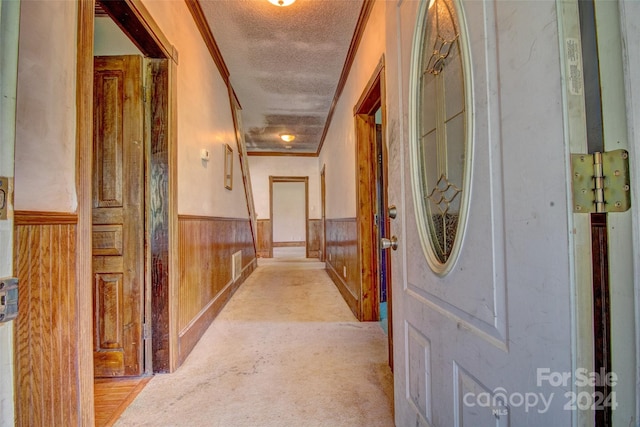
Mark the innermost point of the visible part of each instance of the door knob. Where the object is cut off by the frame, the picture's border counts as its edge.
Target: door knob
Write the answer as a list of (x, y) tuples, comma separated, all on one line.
[(389, 243), (393, 211)]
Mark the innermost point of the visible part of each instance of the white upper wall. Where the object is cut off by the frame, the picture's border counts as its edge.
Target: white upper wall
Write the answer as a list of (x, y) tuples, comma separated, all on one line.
[(263, 166), (339, 150), (45, 152), (46, 116), (204, 120)]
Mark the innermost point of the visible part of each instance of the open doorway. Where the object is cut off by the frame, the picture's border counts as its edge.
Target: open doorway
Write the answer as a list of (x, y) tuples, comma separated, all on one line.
[(124, 33), (118, 201), (289, 211), (373, 211), (381, 221)]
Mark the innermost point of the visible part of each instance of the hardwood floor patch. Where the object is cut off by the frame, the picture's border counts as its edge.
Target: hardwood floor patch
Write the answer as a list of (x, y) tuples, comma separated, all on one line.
[(114, 395)]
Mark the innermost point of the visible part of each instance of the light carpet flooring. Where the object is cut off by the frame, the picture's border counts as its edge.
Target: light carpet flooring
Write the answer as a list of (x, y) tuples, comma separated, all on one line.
[(285, 351)]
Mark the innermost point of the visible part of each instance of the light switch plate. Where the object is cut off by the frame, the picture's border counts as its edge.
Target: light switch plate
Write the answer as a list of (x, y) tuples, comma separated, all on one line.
[(5, 196)]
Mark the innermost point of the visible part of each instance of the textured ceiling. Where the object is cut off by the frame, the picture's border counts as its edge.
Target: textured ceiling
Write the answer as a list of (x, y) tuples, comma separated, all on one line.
[(285, 64)]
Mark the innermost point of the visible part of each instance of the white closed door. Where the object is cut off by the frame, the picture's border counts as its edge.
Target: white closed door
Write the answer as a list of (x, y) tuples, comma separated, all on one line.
[(492, 277)]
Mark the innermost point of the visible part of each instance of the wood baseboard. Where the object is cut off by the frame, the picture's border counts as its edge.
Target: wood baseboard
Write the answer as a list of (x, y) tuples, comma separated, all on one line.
[(192, 333), (289, 244), (352, 300)]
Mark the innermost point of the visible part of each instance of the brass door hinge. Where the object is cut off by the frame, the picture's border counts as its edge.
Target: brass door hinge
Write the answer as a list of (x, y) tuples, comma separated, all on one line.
[(600, 182)]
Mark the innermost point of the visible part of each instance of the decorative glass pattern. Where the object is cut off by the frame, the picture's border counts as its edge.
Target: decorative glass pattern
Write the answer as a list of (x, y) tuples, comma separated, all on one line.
[(440, 128)]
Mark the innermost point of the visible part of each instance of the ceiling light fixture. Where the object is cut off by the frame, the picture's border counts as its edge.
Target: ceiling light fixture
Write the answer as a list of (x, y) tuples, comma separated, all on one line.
[(287, 137), (282, 3)]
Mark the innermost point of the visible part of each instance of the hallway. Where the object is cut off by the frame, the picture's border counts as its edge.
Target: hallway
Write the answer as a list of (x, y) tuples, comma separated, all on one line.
[(285, 351)]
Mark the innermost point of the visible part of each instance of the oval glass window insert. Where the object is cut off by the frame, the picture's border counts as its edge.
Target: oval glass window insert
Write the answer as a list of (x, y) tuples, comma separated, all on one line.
[(440, 139)]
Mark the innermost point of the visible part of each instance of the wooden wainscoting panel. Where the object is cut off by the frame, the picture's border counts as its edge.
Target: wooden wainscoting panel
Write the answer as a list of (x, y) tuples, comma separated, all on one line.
[(265, 239), (342, 257), (206, 246), (314, 244), (244, 242), (46, 331)]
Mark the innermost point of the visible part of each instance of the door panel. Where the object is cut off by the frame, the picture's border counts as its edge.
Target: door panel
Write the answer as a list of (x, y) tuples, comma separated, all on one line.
[(118, 216), (503, 310)]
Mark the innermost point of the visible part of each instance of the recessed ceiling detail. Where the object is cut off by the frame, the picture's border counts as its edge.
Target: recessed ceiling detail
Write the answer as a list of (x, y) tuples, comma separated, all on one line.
[(285, 64)]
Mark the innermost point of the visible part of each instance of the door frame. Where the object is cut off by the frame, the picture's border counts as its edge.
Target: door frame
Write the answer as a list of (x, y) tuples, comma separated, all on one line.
[(305, 180), (620, 257), (160, 180), (372, 98), (620, 62), (323, 212), (630, 34)]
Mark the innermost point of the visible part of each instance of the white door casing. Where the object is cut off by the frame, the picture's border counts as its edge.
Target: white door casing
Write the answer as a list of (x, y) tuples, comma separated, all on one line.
[(499, 324), (630, 35), (580, 239)]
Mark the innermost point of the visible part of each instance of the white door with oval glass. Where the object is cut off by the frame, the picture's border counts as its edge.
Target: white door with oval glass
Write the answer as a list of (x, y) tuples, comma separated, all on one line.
[(483, 280)]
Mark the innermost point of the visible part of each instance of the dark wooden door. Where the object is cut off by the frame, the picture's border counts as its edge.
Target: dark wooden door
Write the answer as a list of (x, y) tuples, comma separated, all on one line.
[(118, 216)]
